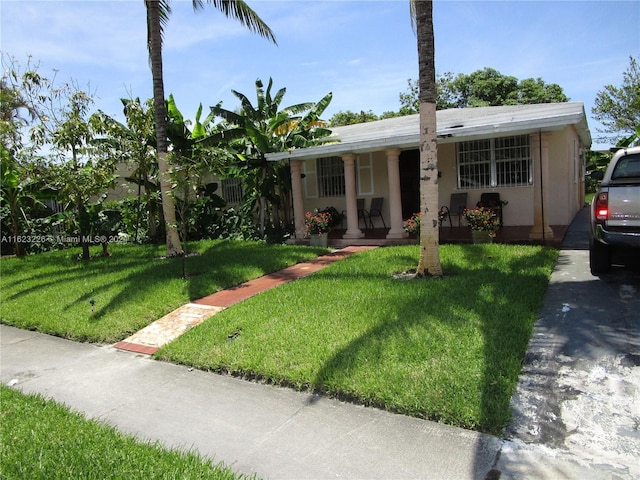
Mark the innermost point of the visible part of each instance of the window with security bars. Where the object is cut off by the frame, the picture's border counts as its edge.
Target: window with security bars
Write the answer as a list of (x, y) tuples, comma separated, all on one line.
[(232, 190), (495, 162), (330, 177)]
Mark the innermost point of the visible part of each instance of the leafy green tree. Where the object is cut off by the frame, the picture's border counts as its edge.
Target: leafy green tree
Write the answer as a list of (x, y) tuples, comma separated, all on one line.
[(446, 98), (409, 100), (193, 157), (267, 128), (135, 143), (484, 87), (618, 108), (347, 117), (81, 170), (158, 12), (429, 261), (537, 91), (19, 193), (22, 92)]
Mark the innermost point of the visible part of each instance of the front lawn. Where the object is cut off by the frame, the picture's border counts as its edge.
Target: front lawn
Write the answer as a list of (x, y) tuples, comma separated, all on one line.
[(42, 439), (449, 350), (51, 292)]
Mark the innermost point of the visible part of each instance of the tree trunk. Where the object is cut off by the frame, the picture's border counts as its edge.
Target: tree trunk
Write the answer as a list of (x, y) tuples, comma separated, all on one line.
[(155, 52), (138, 209), (152, 211), (18, 247), (429, 262), (85, 227), (262, 202)]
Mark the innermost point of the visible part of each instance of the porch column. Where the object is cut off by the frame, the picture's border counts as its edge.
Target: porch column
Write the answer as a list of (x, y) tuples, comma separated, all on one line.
[(395, 197), (353, 230), (298, 200), (540, 150)]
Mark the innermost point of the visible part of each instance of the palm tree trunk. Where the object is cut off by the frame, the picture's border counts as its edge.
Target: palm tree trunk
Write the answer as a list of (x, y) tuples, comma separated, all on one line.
[(155, 52), (429, 263)]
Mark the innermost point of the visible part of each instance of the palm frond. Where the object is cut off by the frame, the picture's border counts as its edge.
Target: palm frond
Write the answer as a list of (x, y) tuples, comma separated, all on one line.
[(164, 12), (239, 10)]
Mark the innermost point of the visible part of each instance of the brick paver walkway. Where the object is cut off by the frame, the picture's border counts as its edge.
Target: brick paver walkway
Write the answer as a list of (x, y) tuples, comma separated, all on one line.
[(171, 326)]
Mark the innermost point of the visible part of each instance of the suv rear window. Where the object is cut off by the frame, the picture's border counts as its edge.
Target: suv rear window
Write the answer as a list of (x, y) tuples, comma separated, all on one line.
[(627, 167)]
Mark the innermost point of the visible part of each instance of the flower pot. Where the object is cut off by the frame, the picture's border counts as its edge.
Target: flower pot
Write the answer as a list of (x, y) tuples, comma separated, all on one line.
[(481, 236), (319, 240)]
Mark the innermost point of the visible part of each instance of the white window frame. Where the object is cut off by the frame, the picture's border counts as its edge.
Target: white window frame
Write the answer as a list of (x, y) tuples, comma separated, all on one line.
[(330, 175), (494, 162), (364, 174), (363, 171)]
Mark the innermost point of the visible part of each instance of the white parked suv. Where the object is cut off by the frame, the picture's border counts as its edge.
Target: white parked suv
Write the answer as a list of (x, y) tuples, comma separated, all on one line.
[(615, 211)]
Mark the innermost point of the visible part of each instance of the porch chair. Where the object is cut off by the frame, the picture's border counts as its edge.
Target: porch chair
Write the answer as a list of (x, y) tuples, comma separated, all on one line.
[(376, 210), (492, 200), (362, 214), (457, 204)]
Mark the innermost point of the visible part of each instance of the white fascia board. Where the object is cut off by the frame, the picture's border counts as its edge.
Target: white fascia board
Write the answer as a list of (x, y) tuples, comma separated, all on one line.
[(339, 148), (450, 135)]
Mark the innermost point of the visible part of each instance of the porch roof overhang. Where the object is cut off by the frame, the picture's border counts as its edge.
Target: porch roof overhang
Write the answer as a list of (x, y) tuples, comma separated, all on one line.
[(453, 125)]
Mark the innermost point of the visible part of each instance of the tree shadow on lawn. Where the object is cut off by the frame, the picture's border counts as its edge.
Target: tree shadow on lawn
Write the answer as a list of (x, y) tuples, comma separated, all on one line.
[(502, 352), (219, 266), (45, 280), (139, 279)]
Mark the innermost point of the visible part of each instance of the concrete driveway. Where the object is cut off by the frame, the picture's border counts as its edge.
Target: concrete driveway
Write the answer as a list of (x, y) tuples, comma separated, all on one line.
[(577, 405)]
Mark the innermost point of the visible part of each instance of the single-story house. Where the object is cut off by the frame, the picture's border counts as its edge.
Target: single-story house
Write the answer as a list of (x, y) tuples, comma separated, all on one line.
[(533, 156)]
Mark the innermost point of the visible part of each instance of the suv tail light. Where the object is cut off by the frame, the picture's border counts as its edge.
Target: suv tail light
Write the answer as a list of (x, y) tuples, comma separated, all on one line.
[(602, 206)]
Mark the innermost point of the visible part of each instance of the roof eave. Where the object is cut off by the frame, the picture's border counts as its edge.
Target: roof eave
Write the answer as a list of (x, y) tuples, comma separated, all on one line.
[(328, 150), (445, 135)]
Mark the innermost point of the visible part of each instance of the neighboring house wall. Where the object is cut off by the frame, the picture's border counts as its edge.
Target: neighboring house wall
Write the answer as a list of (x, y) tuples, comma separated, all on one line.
[(122, 188), (230, 190)]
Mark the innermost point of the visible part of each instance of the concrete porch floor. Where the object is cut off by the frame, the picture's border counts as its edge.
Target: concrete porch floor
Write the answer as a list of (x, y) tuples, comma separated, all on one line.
[(377, 237)]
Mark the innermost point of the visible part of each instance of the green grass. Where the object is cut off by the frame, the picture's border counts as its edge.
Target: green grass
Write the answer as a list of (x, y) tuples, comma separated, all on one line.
[(589, 197), (448, 350), (132, 288), (42, 439)]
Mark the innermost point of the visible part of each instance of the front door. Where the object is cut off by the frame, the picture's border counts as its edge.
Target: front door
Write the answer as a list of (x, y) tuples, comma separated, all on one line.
[(410, 182)]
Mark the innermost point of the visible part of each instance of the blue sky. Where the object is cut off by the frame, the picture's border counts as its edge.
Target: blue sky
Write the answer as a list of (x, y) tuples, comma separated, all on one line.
[(362, 51)]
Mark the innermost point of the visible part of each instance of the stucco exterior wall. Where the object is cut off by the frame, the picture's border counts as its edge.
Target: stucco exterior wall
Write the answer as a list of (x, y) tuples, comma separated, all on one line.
[(565, 189), (124, 189), (518, 212), (564, 192)]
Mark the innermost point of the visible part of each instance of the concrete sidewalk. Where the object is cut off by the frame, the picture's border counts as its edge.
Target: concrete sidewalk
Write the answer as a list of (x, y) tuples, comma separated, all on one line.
[(273, 432)]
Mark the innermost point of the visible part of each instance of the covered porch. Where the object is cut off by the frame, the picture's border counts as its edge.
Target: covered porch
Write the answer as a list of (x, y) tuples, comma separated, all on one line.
[(537, 168)]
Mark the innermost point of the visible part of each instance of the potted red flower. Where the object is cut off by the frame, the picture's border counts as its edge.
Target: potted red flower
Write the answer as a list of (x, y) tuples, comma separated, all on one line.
[(318, 225), (483, 221)]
